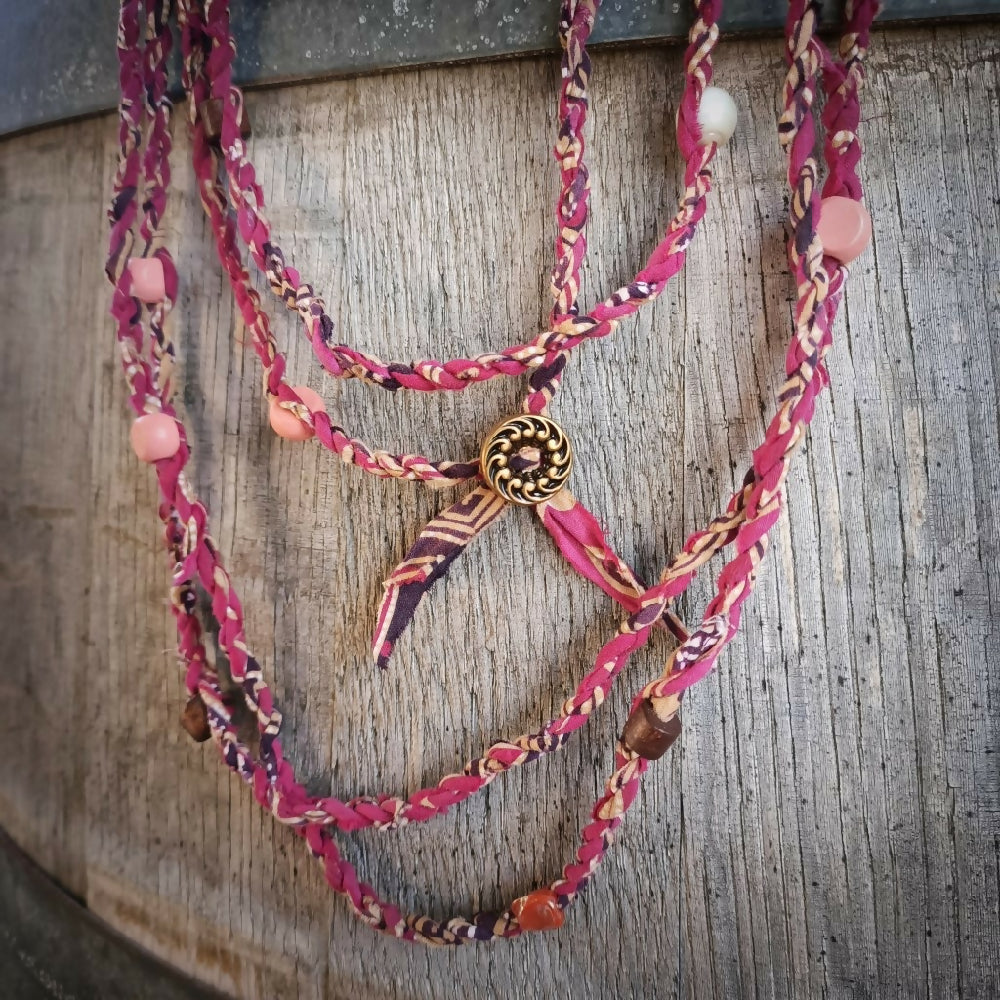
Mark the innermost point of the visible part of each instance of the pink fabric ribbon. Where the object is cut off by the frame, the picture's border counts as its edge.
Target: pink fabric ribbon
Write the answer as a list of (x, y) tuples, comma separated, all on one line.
[(573, 528)]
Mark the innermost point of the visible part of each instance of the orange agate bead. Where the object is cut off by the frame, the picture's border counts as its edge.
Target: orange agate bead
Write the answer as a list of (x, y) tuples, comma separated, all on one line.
[(539, 911)]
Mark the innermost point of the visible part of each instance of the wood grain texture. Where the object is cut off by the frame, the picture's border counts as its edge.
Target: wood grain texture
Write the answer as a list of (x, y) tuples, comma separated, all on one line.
[(828, 826)]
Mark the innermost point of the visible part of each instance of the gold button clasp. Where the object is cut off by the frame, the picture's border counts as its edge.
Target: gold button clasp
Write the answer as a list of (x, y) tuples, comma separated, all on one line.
[(526, 459)]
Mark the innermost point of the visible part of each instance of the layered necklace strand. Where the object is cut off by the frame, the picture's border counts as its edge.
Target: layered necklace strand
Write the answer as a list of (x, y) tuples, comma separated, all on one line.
[(827, 232)]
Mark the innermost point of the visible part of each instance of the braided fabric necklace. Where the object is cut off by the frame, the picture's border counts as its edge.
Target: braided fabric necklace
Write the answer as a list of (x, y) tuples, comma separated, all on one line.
[(525, 461)]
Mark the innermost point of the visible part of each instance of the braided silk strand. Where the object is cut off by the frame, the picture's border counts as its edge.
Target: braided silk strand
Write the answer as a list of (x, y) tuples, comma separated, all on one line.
[(156, 173), (213, 578), (398, 605), (814, 313), (597, 836), (600, 561), (345, 362), (123, 209), (576, 21)]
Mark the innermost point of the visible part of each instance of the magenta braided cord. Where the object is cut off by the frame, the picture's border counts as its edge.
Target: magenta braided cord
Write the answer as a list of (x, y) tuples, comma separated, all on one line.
[(156, 173), (331, 436), (401, 600), (344, 362), (576, 21), (842, 82), (534, 744), (815, 311), (621, 788), (123, 209), (205, 560)]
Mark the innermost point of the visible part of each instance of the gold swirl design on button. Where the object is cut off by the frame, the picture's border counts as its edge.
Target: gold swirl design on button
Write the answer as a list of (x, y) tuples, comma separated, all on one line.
[(542, 475)]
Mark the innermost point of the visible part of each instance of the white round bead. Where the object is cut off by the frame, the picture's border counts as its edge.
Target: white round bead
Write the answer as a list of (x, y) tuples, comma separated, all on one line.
[(716, 116)]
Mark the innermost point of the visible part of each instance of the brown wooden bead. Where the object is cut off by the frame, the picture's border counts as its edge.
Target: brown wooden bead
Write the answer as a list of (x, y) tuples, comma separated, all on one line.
[(210, 112), (195, 719), (647, 735), (539, 911)]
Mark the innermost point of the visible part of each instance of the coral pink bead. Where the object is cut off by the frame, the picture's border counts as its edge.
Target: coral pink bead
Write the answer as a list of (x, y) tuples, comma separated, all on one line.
[(155, 436), (148, 283), (844, 228), (285, 424)]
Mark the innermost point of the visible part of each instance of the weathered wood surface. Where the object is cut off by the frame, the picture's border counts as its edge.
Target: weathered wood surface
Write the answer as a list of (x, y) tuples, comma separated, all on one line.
[(830, 823)]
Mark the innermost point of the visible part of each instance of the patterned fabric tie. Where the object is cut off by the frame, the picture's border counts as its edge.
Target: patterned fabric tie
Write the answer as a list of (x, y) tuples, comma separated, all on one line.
[(436, 548)]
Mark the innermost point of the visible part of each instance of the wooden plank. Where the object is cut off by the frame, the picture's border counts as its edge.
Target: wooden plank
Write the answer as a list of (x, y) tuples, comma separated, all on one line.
[(50, 300), (829, 826)]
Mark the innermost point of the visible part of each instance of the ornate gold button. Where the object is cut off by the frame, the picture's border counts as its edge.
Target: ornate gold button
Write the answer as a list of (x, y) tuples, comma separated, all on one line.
[(526, 459)]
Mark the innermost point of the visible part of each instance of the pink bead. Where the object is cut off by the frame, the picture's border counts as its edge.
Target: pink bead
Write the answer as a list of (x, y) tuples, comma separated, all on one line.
[(844, 228), (285, 424), (155, 436), (148, 283)]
